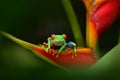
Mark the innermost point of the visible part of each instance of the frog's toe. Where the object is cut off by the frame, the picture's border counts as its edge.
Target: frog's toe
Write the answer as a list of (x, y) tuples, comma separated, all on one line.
[(75, 54), (47, 50), (57, 55)]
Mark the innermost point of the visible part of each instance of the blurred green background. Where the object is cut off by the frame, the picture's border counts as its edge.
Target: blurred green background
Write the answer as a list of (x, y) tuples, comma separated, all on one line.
[(34, 21)]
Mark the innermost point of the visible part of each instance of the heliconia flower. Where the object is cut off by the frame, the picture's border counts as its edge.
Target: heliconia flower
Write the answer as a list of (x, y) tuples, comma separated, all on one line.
[(100, 15), (84, 56)]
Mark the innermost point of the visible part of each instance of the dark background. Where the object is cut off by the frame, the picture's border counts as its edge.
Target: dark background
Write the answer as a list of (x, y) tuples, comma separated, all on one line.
[(34, 21)]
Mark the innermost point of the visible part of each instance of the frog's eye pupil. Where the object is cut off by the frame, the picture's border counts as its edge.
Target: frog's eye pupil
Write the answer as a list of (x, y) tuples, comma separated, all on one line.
[(52, 36), (65, 36)]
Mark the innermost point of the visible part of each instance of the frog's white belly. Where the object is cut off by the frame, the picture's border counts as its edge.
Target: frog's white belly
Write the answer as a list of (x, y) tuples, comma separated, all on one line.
[(57, 43)]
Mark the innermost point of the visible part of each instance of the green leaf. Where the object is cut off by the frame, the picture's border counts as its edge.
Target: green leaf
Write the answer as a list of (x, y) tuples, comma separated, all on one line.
[(119, 35), (108, 65)]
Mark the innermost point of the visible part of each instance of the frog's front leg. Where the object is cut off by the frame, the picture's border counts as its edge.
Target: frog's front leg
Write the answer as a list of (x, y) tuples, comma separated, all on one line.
[(61, 48), (74, 47), (49, 44)]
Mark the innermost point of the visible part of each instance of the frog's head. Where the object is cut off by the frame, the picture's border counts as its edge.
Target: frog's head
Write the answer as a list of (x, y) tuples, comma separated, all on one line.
[(58, 40)]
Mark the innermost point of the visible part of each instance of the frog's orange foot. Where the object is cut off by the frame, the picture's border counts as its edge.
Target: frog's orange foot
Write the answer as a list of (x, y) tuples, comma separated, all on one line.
[(53, 52), (71, 51)]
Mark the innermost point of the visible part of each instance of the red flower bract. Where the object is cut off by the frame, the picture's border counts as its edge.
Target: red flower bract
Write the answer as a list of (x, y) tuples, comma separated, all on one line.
[(104, 14), (100, 14), (84, 56)]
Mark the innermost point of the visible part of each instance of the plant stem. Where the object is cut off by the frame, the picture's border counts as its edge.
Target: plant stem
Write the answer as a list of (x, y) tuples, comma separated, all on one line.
[(73, 22)]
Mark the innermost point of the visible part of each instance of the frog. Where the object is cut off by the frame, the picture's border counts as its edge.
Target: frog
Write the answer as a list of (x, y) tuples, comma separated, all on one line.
[(60, 41)]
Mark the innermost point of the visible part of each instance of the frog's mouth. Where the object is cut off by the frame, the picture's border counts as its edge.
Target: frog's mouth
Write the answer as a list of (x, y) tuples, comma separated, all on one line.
[(57, 43)]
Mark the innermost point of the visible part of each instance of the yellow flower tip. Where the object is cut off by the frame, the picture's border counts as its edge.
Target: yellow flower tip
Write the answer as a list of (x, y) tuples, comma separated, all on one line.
[(91, 34)]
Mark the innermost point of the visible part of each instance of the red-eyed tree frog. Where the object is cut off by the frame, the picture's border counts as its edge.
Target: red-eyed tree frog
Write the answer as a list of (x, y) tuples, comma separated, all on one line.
[(60, 41)]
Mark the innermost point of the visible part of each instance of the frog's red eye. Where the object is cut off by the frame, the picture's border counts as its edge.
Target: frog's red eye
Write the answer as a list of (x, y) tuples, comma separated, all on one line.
[(64, 36), (52, 36)]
